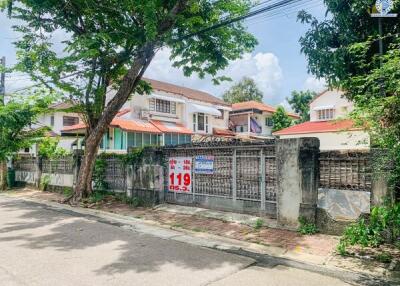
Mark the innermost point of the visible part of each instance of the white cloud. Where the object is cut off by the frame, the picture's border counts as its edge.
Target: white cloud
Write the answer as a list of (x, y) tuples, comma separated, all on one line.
[(264, 68), (314, 84)]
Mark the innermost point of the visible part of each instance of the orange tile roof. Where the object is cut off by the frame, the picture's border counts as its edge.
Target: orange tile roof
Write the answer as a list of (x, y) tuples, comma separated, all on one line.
[(133, 125), (169, 127), (223, 132), (319, 127), (76, 127), (186, 92), (258, 105)]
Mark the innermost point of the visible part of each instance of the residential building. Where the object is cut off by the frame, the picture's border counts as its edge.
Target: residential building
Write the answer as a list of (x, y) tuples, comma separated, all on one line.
[(253, 119), (58, 118), (169, 115), (330, 123)]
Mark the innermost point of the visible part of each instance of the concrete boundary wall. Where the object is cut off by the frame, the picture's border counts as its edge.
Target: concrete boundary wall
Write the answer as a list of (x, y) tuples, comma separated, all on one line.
[(278, 178)]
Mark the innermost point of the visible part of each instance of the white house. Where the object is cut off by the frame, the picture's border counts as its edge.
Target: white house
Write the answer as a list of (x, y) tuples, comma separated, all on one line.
[(328, 122), (170, 115), (253, 119)]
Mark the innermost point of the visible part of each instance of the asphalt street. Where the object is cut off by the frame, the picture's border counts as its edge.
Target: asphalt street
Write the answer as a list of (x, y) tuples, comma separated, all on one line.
[(43, 246)]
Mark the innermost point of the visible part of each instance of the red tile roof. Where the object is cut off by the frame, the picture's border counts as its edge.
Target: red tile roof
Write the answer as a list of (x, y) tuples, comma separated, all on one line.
[(319, 127), (223, 132), (258, 105), (138, 125), (186, 92), (133, 125), (169, 127)]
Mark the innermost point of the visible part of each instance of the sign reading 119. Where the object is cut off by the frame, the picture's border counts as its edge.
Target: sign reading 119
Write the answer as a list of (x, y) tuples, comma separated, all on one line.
[(180, 174)]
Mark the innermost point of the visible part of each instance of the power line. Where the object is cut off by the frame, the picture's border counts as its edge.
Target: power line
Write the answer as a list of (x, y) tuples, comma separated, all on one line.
[(240, 18)]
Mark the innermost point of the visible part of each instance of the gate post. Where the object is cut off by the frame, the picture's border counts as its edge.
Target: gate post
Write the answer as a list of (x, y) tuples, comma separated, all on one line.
[(234, 173), (262, 179), (297, 180)]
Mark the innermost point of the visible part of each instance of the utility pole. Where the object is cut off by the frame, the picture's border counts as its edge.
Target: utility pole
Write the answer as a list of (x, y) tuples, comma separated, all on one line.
[(381, 10), (2, 80)]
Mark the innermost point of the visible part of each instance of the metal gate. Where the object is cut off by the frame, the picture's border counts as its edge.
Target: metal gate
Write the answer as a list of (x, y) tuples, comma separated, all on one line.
[(243, 180)]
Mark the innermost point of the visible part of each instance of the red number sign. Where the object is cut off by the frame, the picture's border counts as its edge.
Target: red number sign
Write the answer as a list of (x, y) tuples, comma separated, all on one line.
[(180, 174)]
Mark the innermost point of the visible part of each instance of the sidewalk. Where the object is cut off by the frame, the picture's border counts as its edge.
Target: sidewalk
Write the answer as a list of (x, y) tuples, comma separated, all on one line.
[(219, 230)]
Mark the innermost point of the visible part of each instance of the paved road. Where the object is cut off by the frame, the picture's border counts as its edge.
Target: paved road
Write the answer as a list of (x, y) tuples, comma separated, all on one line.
[(42, 246)]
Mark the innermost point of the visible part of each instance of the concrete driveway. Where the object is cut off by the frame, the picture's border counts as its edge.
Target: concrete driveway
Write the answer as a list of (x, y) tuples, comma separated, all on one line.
[(42, 246)]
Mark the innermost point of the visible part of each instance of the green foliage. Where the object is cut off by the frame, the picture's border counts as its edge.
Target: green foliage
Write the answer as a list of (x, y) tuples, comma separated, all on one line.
[(16, 119), (245, 90), (384, 257), (300, 102), (344, 50), (281, 119), (99, 176), (48, 148), (106, 38), (382, 226), (307, 227), (44, 182), (259, 223)]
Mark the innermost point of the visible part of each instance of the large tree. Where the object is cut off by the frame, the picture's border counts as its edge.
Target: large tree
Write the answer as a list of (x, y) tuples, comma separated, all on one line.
[(344, 49), (108, 44), (245, 90), (17, 131), (300, 102), (281, 119)]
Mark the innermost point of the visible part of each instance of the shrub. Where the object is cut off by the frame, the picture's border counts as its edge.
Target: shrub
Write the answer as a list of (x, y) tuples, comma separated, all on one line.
[(382, 226), (306, 227), (99, 175)]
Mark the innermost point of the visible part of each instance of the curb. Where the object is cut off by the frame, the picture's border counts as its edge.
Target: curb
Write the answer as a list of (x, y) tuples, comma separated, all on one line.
[(262, 255)]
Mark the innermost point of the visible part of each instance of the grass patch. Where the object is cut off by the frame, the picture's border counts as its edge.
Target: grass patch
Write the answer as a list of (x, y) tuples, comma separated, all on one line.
[(258, 224), (306, 227)]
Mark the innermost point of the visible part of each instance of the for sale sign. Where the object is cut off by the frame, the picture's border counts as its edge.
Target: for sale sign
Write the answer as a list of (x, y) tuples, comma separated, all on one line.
[(180, 174), (204, 165)]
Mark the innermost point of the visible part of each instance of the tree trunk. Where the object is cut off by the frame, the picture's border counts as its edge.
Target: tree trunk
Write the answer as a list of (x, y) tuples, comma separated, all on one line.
[(3, 175), (83, 186), (128, 85)]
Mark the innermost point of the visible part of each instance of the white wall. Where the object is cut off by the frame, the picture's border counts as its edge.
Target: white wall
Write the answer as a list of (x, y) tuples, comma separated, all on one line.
[(338, 140), (334, 97), (58, 120)]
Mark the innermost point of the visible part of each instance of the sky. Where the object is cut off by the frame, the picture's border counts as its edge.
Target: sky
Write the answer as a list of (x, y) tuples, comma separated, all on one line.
[(276, 64)]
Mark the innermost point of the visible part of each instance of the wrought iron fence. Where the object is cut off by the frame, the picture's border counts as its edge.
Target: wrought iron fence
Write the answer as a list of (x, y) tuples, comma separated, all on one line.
[(115, 175), (345, 170), (25, 163), (62, 165)]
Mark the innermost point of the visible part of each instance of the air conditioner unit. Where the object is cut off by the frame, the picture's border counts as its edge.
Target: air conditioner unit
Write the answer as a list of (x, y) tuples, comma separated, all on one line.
[(144, 114)]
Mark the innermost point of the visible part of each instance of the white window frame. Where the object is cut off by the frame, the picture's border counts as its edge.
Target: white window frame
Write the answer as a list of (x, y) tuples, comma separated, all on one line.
[(326, 114), (206, 123)]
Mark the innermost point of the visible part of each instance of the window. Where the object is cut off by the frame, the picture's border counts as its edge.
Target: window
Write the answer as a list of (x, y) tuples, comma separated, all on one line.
[(70, 120), (163, 106), (52, 120), (200, 122), (326, 114), (269, 122)]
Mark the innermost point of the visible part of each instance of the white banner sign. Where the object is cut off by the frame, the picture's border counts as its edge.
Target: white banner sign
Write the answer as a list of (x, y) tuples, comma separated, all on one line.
[(180, 174)]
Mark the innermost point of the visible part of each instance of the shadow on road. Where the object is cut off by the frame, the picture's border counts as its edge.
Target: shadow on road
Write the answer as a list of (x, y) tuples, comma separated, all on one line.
[(37, 227)]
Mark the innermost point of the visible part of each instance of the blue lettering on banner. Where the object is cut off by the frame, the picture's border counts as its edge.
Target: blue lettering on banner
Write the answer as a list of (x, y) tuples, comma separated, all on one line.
[(204, 165)]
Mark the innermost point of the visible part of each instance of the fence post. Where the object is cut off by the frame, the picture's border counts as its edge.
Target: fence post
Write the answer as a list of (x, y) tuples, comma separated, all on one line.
[(297, 186), (38, 170), (77, 157), (262, 179), (234, 172), (129, 180)]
